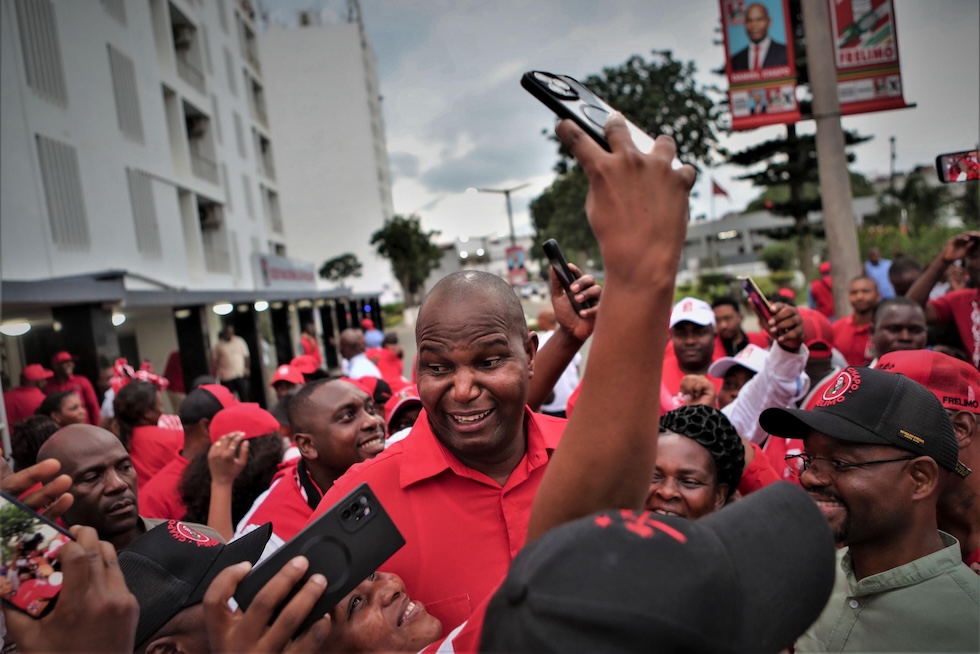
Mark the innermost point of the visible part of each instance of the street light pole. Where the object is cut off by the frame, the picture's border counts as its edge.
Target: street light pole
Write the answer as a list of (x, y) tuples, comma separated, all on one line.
[(510, 213)]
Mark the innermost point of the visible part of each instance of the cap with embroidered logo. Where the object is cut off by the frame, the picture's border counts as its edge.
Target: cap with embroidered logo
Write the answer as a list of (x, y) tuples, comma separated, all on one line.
[(955, 383), (691, 309), (621, 581), (864, 405)]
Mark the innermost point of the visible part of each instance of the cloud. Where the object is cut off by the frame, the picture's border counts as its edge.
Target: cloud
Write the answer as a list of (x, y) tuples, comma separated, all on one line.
[(404, 164)]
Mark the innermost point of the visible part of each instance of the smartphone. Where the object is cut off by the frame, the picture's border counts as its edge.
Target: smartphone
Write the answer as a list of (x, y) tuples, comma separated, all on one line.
[(759, 301), (958, 166), (346, 544), (565, 274), (30, 576)]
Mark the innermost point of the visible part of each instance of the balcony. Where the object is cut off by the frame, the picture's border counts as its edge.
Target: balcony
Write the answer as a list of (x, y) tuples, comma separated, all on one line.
[(190, 74), (203, 167)]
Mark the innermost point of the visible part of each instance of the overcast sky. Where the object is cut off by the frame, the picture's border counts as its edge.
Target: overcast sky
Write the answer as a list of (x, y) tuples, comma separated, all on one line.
[(457, 117)]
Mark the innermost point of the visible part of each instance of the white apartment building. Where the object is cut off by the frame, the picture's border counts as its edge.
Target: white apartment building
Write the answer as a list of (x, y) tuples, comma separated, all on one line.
[(325, 111), (138, 188)]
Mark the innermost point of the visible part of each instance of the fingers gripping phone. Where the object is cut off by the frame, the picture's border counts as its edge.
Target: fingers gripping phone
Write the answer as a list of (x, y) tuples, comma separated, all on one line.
[(571, 99), (346, 545), (565, 274), (30, 576), (759, 301)]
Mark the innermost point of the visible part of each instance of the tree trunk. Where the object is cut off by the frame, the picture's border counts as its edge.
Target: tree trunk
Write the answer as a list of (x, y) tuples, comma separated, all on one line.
[(803, 237)]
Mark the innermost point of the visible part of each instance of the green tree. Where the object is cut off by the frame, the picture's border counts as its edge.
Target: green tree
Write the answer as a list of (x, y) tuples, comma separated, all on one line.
[(967, 206), (916, 202), (341, 267), (661, 97), (15, 525), (411, 251)]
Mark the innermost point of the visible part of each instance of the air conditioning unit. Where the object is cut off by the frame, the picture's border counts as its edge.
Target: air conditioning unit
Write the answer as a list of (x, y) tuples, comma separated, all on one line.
[(183, 37)]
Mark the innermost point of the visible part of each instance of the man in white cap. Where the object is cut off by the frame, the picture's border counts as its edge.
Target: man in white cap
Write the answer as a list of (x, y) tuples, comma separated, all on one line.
[(692, 344)]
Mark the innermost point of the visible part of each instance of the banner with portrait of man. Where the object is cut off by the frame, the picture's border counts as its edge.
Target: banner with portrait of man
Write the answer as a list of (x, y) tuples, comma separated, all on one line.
[(760, 63), (866, 51)]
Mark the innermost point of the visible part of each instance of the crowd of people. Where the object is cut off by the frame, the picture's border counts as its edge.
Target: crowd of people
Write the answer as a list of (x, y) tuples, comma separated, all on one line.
[(805, 486)]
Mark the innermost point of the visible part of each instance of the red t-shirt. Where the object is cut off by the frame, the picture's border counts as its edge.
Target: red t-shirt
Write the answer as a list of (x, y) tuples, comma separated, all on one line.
[(22, 402), (389, 364), (822, 292), (286, 505), (160, 497), (853, 341), (311, 348), (85, 390), (963, 308), (672, 373), (461, 528), (151, 448)]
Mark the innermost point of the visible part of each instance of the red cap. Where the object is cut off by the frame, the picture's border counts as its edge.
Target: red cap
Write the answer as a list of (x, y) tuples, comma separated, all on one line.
[(956, 383), (825, 268), (36, 372), (408, 396), (287, 374), (305, 363), (248, 417), (367, 323), (61, 357), (787, 293), (818, 335), (221, 393)]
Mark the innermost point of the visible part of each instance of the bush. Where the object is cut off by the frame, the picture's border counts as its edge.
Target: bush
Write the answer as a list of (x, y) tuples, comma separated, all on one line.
[(393, 313), (778, 256)]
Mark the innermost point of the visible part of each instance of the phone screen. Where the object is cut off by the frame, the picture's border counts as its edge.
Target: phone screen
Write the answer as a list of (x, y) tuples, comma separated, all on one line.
[(30, 576), (958, 166)]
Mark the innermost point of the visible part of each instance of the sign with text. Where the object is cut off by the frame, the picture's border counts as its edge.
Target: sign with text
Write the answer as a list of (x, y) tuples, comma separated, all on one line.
[(760, 63), (866, 52), (281, 273)]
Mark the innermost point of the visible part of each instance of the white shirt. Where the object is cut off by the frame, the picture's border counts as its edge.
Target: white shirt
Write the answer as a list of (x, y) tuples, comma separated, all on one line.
[(568, 381), (360, 366), (779, 384)]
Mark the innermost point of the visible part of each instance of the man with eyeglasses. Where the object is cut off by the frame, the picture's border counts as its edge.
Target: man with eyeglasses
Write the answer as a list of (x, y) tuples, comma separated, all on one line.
[(878, 451)]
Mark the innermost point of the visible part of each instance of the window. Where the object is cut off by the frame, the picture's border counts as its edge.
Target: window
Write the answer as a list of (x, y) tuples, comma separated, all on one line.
[(223, 16), (230, 70), (239, 133), (144, 213), (41, 50), (249, 200), (226, 185), (206, 45), (63, 194), (124, 90), (216, 121)]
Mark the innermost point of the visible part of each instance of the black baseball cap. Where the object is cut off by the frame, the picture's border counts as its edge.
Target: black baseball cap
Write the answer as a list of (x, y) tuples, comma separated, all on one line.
[(170, 567), (750, 577), (864, 405)]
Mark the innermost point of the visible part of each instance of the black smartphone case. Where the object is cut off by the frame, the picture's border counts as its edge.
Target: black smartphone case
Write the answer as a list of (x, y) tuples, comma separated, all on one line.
[(346, 544), (565, 274)]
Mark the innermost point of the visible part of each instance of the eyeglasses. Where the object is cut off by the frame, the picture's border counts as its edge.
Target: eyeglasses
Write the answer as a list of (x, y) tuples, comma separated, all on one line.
[(837, 466)]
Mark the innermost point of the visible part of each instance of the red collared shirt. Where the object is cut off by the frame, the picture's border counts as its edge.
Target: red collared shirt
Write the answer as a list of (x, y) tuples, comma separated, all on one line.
[(22, 402), (160, 497), (963, 308), (151, 448), (285, 505), (853, 341), (461, 528)]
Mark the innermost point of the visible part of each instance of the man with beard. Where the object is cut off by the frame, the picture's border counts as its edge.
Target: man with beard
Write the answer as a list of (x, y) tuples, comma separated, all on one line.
[(878, 451), (898, 324), (103, 483)]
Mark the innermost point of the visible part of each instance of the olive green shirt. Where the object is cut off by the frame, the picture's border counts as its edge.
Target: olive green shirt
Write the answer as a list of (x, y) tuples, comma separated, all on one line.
[(931, 604)]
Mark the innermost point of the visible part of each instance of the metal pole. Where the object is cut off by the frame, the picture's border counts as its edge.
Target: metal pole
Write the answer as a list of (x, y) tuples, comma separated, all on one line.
[(835, 183), (510, 219)]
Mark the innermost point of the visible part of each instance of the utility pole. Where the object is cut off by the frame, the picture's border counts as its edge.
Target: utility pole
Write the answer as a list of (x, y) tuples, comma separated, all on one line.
[(510, 213), (835, 182), (891, 169)]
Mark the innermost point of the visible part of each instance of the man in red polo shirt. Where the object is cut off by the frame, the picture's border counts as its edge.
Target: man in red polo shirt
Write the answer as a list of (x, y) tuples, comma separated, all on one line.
[(960, 307), (460, 485), (691, 350), (728, 321), (23, 401), (852, 334), (335, 424), (63, 365)]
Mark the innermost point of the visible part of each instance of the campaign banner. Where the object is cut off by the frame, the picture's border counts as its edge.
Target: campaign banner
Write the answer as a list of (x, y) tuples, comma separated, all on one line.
[(866, 52), (516, 265), (760, 63), (273, 272)]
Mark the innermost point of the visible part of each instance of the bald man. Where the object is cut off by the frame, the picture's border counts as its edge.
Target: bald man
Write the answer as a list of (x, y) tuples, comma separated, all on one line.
[(460, 485), (762, 51), (103, 483), (557, 401), (356, 364)]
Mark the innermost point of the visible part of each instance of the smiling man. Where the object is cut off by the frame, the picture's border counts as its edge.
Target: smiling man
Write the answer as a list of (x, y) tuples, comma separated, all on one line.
[(460, 486), (336, 425), (878, 451), (692, 346)]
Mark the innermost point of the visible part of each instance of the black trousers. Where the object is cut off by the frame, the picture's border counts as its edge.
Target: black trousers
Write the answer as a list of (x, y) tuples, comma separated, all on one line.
[(240, 387)]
